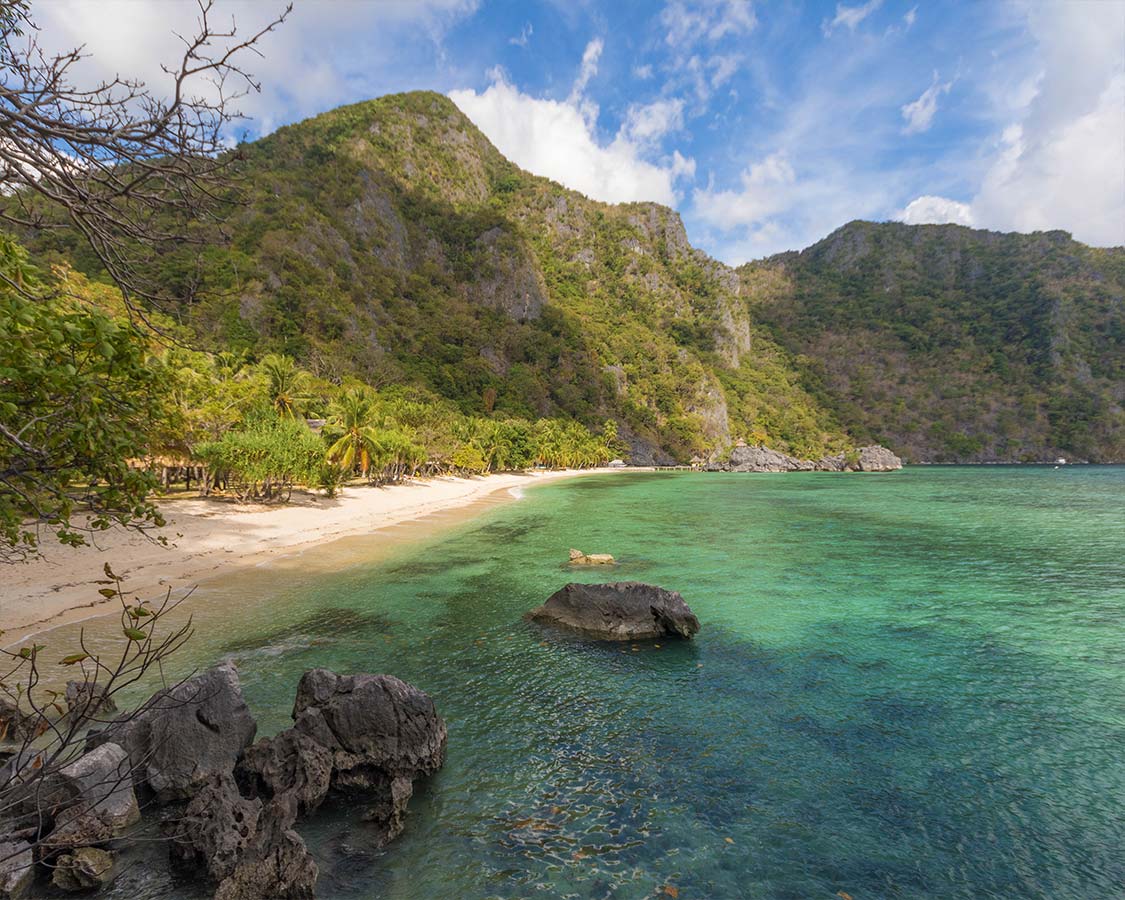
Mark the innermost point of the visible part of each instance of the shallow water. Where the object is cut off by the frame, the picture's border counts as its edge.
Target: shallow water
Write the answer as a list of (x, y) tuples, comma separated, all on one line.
[(908, 685)]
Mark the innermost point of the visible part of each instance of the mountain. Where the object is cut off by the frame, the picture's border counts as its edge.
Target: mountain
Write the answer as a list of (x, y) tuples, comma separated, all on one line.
[(391, 241), (951, 344)]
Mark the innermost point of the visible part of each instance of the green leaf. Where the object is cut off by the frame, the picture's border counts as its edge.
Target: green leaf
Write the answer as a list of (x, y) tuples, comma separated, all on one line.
[(73, 658), (135, 634)]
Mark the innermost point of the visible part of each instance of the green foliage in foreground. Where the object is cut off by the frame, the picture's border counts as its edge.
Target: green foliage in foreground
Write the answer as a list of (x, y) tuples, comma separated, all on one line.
[(78, 396), (91, 406)]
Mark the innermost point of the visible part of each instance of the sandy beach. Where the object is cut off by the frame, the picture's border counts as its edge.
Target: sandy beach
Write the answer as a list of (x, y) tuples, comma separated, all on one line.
[(211, 537)]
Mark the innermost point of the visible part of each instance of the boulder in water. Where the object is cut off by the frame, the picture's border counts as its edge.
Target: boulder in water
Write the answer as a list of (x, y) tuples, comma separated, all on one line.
[(275, 863), (877, 459), (182, 737), (84, 869), (622, 611), (578, 558), (381, 732)]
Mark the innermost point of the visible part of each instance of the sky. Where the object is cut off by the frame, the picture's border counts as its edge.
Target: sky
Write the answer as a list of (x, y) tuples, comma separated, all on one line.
[(767, 125)]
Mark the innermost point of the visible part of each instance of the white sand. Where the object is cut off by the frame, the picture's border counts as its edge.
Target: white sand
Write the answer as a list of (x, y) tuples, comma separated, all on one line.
[(209, 536)]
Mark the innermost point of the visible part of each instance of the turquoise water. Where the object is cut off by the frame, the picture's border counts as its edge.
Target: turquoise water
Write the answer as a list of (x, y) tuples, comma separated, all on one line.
[(906, 685)]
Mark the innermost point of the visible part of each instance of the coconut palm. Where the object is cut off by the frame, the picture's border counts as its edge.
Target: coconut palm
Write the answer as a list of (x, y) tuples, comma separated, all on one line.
[(359, 447), (285, 384)]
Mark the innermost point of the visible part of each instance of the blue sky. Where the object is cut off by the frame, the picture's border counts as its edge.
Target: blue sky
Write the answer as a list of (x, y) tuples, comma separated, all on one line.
[(766, 124)]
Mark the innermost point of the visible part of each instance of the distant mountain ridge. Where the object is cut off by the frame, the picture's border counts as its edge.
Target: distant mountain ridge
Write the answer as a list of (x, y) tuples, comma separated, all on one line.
[(390, 240)]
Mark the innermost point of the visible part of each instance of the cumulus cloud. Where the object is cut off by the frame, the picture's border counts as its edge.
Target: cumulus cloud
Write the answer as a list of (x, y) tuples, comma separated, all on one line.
[(850, 16), (1060, 161), (558, 139), (919, 114), (308, 65), (647, 123), (930, 210)]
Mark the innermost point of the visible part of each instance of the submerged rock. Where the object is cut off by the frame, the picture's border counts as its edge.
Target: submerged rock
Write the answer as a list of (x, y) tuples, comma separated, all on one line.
[(622, 611), (182, 737), (83, 869), (578, 558)]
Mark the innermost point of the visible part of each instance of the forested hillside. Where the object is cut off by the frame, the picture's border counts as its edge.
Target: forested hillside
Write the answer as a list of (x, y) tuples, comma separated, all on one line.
[(389, 241), (948, 343)]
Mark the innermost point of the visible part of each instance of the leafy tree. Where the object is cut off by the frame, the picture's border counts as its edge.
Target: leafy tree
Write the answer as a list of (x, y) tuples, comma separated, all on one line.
[(78, 401), (267, 458)]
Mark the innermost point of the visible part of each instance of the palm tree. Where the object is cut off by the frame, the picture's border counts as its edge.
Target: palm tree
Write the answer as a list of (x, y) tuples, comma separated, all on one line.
[(285, 384), (359, 446)]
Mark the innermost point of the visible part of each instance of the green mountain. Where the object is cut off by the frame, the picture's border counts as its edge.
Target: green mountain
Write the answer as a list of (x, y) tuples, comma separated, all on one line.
[(950, 344), (390, 240)]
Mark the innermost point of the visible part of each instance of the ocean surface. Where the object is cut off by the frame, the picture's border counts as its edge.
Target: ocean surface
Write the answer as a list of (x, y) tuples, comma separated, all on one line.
[(906, 685)]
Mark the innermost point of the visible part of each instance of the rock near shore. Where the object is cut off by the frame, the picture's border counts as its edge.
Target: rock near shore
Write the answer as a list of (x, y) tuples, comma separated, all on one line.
[(761, 459), (621, 611)]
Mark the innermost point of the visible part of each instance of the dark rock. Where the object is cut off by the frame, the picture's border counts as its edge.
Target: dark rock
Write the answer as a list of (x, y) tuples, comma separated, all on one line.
[(214, 831), (275, 863), (17, 869), (290, 763), (624, 611), (91, 800), (84, 869), (182, 737), (382, 733)]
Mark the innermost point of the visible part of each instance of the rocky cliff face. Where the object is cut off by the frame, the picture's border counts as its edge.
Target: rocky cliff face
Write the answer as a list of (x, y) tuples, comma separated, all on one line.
[(762, 459)]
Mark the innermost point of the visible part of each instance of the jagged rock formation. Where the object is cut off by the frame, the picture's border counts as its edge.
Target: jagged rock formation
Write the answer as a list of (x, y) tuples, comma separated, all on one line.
[(183, 736), (369, 735), (622, 611), (230, 809), (762, 459)]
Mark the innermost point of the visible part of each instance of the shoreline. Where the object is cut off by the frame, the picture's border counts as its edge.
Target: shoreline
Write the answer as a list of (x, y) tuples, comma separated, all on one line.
[(208, 538)]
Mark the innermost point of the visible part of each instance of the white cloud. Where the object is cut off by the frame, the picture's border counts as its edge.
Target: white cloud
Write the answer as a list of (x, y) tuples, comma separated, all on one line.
[(643, 72), (558, 139), (765, 191), (523, 37), (919, 114), (589, 67), (1060, 160), (850, 16), (930, 210), (689, 22), (911, 17), (647, 123), (309, 64)]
